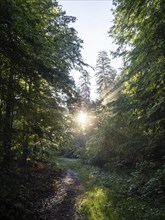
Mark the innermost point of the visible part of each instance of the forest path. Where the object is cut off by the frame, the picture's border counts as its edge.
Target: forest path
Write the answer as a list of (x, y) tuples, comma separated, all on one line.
[(78, 194), (64, 204)]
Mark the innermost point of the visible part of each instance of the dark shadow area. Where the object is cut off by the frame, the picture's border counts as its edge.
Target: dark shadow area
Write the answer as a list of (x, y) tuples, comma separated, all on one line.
[(23, 190)]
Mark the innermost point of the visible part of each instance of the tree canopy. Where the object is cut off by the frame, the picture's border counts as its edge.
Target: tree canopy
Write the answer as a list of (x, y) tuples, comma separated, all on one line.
[(38, 50)]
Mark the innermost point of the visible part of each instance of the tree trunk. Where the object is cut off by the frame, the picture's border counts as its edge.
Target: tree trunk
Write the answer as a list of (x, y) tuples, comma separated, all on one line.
[(8, 120)]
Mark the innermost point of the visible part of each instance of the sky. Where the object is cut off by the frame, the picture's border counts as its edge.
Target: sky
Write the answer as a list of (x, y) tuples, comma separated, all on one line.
[(94, 19)]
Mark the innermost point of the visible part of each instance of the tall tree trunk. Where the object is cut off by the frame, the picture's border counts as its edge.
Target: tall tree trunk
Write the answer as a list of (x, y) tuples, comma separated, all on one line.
[(8, 120), (26, 127)]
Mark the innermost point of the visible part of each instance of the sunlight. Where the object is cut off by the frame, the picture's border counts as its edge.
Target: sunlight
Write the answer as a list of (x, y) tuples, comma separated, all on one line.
[(97, 204), (82, 118)]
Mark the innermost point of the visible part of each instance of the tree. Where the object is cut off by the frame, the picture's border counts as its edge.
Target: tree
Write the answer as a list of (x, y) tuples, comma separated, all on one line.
[(137, 114), (84, 88), (38, 50), (105, 74), (140, 26)]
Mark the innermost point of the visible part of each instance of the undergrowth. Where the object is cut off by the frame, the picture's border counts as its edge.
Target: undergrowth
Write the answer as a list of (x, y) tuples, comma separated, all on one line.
[(114, 196)]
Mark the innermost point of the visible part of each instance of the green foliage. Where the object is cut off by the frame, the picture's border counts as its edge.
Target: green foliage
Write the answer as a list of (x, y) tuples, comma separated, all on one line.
[(139, 25), (130, 194), (129, 138), (38, 50), (131, 126)]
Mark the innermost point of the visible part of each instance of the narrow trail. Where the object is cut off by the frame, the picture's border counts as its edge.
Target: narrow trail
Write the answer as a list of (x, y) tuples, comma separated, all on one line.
[(63, 205)]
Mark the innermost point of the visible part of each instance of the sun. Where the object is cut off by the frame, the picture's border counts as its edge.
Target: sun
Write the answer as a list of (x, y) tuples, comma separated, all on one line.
[(82, 118)]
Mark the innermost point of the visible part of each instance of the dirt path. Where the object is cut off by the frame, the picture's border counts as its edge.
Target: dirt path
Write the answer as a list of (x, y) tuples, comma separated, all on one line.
[(63, 205)]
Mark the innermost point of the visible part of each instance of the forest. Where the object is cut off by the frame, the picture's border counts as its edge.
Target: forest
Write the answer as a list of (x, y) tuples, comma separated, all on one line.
[(51, 132)]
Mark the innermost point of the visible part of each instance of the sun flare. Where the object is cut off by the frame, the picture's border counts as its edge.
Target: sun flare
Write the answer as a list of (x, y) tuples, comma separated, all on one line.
[(82, 118)]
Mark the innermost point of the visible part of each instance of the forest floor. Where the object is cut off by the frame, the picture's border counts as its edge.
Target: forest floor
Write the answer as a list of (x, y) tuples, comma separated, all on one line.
[(39, 192), (63, 205), (67, 189)]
